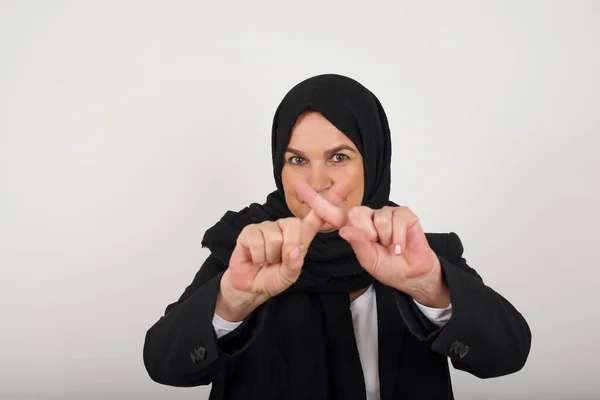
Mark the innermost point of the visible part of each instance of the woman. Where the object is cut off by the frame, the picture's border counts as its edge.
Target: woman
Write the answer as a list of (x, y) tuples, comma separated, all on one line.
[(329, 290)]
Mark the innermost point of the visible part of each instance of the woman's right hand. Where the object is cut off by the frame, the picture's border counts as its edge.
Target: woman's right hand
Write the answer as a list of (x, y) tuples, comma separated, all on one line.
[(268, 259)]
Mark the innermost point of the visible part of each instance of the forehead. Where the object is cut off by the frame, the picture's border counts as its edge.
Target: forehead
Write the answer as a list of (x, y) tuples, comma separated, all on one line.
[(312, 128)]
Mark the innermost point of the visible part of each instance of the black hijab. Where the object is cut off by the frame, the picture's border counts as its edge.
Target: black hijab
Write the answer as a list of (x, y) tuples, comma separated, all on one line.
[(319, 302), (330, 264)]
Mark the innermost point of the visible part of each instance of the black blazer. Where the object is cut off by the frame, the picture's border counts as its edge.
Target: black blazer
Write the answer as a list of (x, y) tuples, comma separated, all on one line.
[(486, 337)]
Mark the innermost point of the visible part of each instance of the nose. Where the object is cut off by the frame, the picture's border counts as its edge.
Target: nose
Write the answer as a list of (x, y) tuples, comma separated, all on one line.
[(320, 179)]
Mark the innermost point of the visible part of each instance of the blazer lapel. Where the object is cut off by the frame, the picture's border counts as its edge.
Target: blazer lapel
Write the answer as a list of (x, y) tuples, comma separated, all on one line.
[(391, 331)]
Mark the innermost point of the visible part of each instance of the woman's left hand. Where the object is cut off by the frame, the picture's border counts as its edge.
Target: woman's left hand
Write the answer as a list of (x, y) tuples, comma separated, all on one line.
[(390, 244)]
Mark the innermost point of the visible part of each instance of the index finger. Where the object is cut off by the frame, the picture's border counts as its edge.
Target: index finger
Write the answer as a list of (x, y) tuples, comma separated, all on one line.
[(323, 209)]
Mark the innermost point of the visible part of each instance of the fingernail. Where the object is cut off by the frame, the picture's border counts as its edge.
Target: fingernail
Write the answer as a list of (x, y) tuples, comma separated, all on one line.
[(294, 254), (398, 249)]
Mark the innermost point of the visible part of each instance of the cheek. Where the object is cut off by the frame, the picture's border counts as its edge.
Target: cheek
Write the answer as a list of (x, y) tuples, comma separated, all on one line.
[(356, 194), (289, 179)]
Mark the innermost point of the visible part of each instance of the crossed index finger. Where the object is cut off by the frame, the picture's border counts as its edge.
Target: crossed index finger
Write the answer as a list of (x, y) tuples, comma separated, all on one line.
[(322, 209)]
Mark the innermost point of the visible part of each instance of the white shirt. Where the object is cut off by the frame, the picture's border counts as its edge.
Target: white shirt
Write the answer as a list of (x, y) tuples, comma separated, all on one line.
[(364, 319)]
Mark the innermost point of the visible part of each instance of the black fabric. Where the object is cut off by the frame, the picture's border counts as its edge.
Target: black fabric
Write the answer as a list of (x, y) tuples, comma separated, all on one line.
[(330, 265), (275, 356)]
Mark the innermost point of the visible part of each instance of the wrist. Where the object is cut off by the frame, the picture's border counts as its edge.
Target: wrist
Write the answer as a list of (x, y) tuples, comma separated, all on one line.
[(431, 290), (233, 305)]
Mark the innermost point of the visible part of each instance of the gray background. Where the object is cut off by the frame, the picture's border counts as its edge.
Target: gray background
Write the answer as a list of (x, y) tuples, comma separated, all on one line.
[(128, 128)]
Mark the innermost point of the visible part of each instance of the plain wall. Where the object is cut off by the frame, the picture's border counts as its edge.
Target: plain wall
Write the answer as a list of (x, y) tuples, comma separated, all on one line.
[(127, 128)]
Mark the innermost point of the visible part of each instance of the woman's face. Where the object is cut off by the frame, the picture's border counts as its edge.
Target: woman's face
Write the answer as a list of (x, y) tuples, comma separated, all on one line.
[(321, 155)]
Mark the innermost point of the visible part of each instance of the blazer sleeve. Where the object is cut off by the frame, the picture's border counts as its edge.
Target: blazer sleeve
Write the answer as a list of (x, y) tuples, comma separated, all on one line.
[(486, 336), (181, 348)]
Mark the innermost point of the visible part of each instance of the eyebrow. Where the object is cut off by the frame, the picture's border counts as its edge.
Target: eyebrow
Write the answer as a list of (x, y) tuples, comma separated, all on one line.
[(328, 152)]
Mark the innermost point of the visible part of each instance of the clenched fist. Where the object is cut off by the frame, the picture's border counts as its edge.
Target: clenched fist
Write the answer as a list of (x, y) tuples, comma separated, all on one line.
[(268, 259), (390, 244)]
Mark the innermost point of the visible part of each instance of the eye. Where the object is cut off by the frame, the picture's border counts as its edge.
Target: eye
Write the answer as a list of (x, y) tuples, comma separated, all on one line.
[(339, 158), (295, 160)]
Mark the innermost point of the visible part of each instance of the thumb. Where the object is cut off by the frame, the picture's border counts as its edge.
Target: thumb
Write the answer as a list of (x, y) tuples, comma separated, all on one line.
[(240, 255), (291, 267), (364, 249)]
